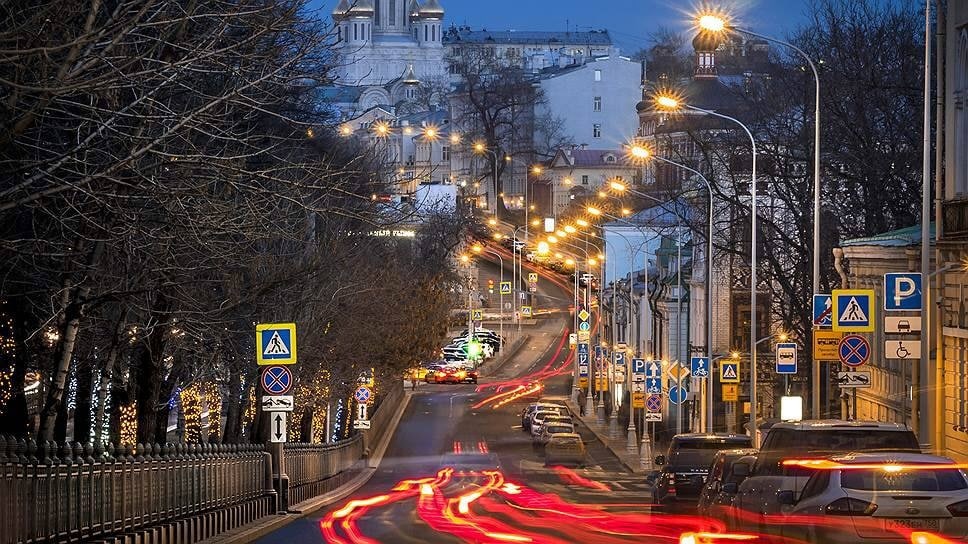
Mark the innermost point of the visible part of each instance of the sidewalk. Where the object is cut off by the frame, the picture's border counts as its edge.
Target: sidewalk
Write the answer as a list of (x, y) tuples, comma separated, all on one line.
[(618, 446)]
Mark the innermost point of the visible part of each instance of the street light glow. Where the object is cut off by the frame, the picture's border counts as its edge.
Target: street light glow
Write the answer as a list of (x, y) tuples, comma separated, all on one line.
[(570, 262), (616, 186), (431, 133), (477, 249), (553, 239), (712, 23), (381, 128), (455, 138), (479, 147), (498, 236), (582, 223), (492, 221), (345, 130), (626, 211), (561, 234), (592, 261), (570, 229), (566, 181), (594, 211), (543, 248), (465, 259), (536, 170), (667, 102), (602, 194)]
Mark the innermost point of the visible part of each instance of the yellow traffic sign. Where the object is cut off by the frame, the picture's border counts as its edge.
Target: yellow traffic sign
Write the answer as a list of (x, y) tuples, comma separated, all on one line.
[(525, 311), (853, 310), (729, 371), (678, 372), (584, 315), (583, 382), (826, 345), (730, 392), (478, 315), (533, 277), (638, 399), (275, 344)]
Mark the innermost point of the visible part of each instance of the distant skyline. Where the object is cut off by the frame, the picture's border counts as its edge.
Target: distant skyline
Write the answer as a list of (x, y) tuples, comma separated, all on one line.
[(631, 22)]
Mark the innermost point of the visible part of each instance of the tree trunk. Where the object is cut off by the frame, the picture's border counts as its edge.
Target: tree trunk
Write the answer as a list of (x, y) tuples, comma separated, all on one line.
[(147, 383), (13, 415), (233, 408), (105, 384)]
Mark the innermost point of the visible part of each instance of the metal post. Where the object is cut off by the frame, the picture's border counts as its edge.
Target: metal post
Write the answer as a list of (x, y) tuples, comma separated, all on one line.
[(925, 386)]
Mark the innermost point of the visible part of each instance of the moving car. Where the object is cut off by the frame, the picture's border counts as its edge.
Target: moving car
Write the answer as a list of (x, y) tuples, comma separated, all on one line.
[(431, 375), (878, 497), (537, 420), (450, 374), (532, 408), (817, 439), (684, 468), (722, 481), (565, 448), (470, 374)]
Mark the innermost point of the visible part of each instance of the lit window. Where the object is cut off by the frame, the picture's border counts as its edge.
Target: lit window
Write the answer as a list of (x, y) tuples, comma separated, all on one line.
[(598, 75), (596, 130), (598, 103)]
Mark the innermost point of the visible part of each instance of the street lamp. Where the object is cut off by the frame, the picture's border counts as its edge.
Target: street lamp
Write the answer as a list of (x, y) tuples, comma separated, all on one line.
[(643, 153), (480, 148), (480, 249), (668, 102), (715, 23)]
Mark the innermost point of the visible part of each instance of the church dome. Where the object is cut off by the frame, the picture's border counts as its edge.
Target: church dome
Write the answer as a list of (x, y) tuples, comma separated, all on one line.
[(354, 8), (432, 8), (413, 10), (706, 41)]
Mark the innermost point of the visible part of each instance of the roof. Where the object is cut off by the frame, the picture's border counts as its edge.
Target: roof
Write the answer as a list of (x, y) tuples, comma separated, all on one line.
[(466, 35), (341, 94), (909, 236), (668, 214), (590, 158), (838, 423)]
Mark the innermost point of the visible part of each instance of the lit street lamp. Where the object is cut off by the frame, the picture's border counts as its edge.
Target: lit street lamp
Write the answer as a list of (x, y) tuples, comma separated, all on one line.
[(666, 102), (716, 24)]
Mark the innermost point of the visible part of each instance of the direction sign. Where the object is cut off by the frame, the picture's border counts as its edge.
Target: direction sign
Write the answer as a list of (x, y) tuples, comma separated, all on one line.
[(275, 344), (677, 395), (584, 315), (653, 385), (902, 325), (786, 358), (583, 361), (654, 403), (822, 310), (653, 369), (729, 372), (653, 417), (276, 380), (525, 311), (478, 315), (700, 367), (277, 403), (904, 350), (505, 288), (638, 387), (533, 277), (584, 326), (902, 291), (362, 394), (361, 424), (277, 428), (853, 310), (826, 345), (854, 350), (572, 340), (854, 379), (583, 348)]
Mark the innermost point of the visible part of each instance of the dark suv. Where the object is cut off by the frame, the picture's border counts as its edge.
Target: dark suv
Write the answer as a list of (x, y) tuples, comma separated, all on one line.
[(682, 471)]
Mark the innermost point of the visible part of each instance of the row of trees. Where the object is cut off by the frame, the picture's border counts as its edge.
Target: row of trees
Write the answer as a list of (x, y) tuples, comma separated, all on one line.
[(167, 180)]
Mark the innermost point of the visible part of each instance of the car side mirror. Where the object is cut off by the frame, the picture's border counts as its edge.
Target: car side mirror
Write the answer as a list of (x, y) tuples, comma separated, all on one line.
[(730, 488), (741, 470), (660, 460), (786, 497)]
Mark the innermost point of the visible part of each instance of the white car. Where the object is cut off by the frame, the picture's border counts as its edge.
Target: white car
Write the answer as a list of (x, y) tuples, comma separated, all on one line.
[(877, 497), (549, 428), (537, 420)]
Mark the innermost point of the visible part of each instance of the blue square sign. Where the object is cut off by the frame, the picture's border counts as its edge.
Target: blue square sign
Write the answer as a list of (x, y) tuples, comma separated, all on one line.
[(902, 291), (823, 315), (853, 310), (786, 358), (700, 367)]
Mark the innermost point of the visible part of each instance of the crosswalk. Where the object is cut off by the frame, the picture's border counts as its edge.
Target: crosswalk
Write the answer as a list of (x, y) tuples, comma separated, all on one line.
[(591, 483)]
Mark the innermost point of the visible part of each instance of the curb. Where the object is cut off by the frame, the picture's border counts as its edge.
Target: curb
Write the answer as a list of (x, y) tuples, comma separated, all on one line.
[(633, 466), (263, 527)]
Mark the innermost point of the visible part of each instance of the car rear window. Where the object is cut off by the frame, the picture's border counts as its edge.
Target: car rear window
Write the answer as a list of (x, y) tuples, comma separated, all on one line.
[(559, 429), (918, 480), (840, 440)]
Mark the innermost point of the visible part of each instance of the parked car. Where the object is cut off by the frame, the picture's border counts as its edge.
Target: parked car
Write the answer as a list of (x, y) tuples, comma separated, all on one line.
[(878, 497), (817, 439), (531, 409), (722, 482), (565, 448), (538, 419), (551, 428), (684, 468)]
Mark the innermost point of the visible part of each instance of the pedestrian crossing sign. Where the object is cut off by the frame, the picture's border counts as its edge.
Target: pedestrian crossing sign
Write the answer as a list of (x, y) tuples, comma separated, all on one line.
[(275, 344), (729, 372), (853, 310), (505, 288)]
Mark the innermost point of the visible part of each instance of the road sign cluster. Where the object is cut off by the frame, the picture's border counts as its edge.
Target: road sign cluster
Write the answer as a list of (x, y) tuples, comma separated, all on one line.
[(848, 313), (275, 347)]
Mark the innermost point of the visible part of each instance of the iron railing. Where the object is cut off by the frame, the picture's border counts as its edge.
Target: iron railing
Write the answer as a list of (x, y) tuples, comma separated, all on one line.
[(74, 492), (317, 469)]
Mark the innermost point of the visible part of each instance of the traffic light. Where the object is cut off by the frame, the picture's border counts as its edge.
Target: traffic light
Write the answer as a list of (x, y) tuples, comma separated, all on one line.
[(473, 349), (490, 286)]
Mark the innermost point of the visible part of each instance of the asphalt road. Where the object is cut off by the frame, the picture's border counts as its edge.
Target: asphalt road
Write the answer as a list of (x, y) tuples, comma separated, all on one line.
[(444, 419)]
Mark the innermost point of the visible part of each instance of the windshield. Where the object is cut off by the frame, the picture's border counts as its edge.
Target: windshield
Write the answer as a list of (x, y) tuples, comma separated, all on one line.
[(926, 480)]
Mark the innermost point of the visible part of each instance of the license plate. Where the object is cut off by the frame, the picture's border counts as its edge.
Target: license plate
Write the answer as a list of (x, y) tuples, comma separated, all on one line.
[(912, 523)]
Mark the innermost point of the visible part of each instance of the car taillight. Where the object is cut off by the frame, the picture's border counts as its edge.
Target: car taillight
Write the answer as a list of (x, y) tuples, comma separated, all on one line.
[(847, 506), (959, 509)]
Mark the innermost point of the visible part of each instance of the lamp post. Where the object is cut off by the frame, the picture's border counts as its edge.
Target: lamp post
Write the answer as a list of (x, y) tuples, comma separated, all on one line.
[(641, 152), (671, 104), (480, 249), (480, 148), (714, 23)]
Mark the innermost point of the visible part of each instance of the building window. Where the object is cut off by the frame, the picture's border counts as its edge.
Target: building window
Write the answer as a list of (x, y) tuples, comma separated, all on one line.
[(584, 180), (433, 33), (598, 103), (411, 93), (356, 31), (596, 130), (598, 75), (445, 153), (392, 15), (339, 33), (426, 33)]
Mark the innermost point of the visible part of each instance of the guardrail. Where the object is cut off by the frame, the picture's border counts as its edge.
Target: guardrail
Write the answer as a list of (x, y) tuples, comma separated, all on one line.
[(79, 492), (317, 469)]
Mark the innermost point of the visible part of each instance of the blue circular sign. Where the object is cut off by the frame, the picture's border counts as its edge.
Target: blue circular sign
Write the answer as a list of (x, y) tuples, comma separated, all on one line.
[(677, 394), (654, 403), (855, 350), (276, 380), (362, 394)]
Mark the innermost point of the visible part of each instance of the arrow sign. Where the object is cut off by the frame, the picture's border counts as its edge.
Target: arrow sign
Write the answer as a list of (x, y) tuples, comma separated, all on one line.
[(677, 394), (653, 386), (278, 435), (700, 367), (653, 369)]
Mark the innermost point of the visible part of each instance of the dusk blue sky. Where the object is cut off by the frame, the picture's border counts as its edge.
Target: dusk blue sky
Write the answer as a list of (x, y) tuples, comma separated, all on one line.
[(631, 22)]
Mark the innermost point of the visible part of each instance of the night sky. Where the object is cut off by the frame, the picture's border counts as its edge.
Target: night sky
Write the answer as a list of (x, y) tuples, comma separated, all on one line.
[(630, 22)]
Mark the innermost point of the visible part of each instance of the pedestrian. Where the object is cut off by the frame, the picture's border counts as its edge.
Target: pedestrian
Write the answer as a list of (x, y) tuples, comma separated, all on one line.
[(581, 403), (413, 382)]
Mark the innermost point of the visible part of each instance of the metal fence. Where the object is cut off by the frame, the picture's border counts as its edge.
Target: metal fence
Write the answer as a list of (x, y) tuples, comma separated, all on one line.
[(317, 469), (73, 492)]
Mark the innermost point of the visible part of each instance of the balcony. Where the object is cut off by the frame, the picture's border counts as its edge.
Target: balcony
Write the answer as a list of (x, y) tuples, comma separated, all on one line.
[(955, 218)]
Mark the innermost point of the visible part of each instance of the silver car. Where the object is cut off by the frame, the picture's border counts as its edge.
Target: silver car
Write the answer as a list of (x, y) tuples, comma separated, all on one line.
[(550, 428), (877, 497)]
